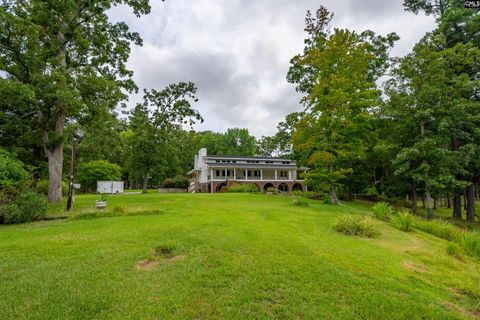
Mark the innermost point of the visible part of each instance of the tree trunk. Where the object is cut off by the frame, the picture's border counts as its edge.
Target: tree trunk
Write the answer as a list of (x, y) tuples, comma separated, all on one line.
[(435, 203), (429, 203), (333, 195), (414, 198), (54, 152), (423, 202), (55, 165), (449, 201), (145, 183), (470, 200), (457, 204)]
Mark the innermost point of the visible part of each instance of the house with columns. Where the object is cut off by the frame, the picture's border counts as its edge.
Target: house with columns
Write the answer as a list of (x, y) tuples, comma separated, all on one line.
[(215, 173)]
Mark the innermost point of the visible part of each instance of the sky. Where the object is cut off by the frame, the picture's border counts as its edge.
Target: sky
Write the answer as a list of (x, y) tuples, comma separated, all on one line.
[(238, 52)]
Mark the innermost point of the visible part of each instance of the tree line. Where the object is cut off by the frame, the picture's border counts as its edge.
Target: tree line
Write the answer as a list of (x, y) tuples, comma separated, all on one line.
[(370, 123)]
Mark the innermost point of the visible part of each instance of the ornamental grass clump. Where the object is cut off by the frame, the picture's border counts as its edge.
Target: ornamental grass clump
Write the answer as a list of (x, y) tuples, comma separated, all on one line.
[(382, 210), (403, 220), (454, 250), (439, 228), (471, 244), (362, 226)]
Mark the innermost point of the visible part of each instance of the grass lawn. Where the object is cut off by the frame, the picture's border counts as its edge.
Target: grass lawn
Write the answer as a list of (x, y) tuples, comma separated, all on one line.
[(233, 256)]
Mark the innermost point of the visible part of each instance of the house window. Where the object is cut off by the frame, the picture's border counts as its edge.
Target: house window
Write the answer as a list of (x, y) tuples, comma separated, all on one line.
[(217, 173), (283, 174)]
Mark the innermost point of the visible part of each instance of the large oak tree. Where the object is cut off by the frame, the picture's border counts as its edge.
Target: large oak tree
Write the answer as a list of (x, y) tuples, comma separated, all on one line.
[(70, 60)]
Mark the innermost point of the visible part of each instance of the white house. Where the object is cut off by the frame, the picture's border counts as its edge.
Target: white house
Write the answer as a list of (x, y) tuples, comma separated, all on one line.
[(212, 173)]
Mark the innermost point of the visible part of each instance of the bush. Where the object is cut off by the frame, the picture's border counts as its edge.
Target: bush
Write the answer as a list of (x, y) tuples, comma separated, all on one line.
[(17, 202), (245, 187), (300, 203), (471, 243), (382, 210), (177, 182), (326, 199), (403, 221), (454, 250), (13, 174), (42, 187), (28, 206), (439, 228), (98, 170), (362, 226)]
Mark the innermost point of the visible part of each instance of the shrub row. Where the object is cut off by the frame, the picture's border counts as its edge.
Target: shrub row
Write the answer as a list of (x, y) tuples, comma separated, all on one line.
[(245, 187), (177, 182)]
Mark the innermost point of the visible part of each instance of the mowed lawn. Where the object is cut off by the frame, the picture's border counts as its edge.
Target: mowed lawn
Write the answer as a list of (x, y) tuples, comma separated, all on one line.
[(234, 256)]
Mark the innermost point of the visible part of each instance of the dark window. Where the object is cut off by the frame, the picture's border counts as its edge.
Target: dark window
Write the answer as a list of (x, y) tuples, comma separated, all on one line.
[(217, 172)]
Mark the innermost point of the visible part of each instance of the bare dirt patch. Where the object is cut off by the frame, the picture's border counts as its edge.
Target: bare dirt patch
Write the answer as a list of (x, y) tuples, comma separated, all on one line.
[(415, 267), (457, 308), (148, 264)]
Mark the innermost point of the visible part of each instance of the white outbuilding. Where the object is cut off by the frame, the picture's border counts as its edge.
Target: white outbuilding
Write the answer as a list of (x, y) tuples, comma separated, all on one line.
[(110, 187)]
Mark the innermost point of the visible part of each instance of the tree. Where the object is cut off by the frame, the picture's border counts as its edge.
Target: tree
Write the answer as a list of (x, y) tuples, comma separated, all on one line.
[(97, 170), (456, 25), (336, 73), (71, 59), (432, 91), (280, 144), (152, 129), (239, 142)]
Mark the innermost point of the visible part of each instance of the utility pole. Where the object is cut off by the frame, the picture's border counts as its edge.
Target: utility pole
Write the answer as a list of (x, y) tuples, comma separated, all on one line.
[(72, 173)]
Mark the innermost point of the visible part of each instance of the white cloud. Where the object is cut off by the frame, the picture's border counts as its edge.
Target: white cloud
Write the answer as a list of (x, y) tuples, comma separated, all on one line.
[(238, 52)]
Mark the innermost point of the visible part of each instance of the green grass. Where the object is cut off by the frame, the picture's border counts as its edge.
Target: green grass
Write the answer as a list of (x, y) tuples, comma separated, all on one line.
[(225, 256)]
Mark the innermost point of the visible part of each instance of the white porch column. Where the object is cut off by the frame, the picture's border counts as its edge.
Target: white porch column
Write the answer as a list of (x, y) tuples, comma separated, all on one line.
[(276, 178), (246, 176), (211, 180), (234, 174), (289, 174), (261, 174), (225, 170)]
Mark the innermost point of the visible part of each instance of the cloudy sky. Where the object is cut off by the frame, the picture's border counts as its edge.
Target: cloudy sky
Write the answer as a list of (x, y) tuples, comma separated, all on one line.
[(237, 52)]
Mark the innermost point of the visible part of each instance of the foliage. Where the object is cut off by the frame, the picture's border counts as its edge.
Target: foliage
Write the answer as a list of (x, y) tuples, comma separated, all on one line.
[(151, 140), (300, 203), (97, 170), (27, 206), (280, 144), (13, 174), (177, 182), (382, 210), (243, 187), (17, 202), (336, 73), (42, 187), (439, 228), (68, 60), (357, 225), (403, 220)]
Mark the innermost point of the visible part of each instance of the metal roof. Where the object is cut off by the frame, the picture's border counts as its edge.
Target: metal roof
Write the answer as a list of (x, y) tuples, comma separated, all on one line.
[(248, 157), (254, 165)]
